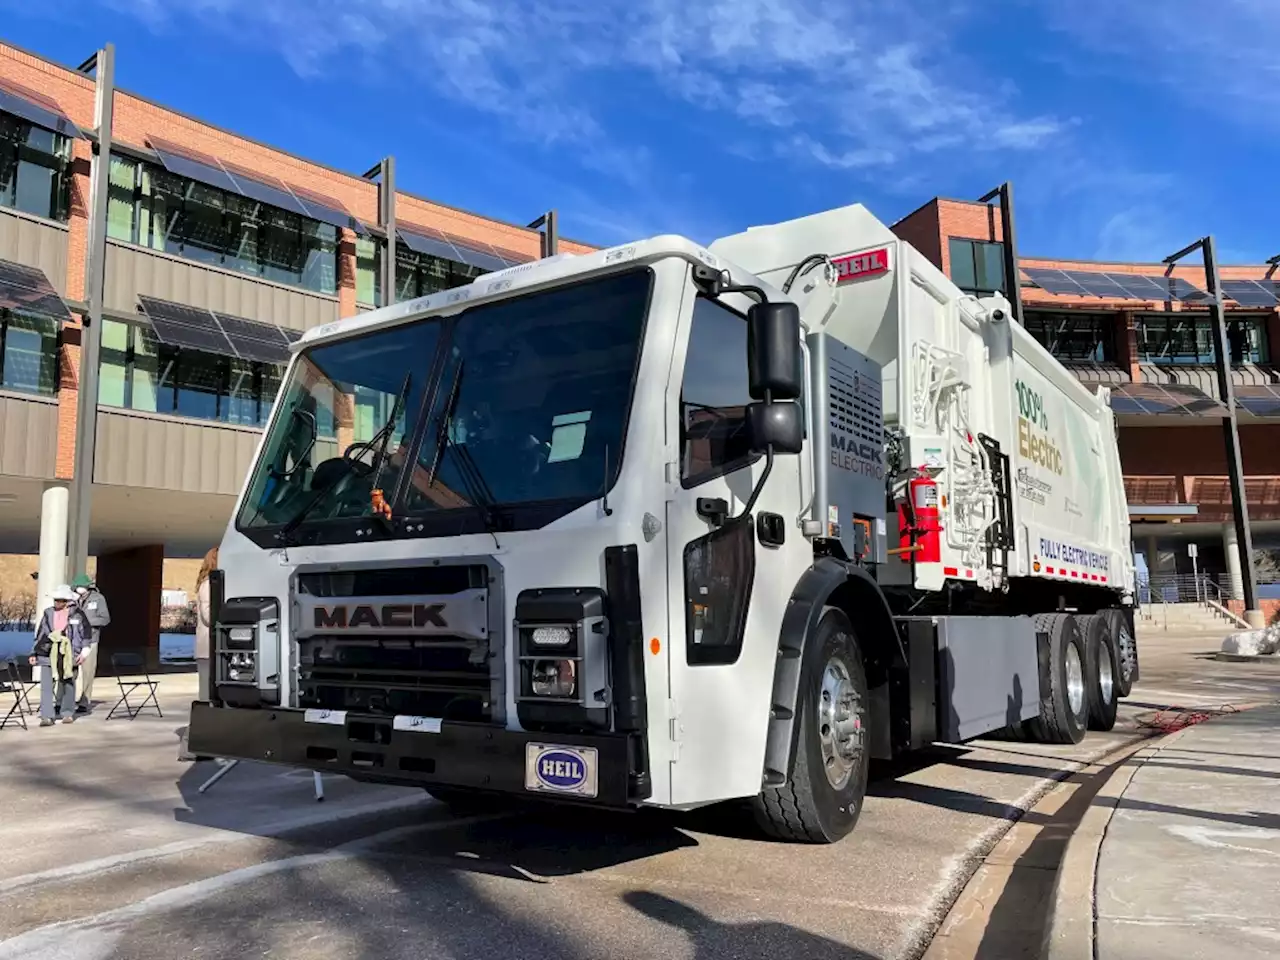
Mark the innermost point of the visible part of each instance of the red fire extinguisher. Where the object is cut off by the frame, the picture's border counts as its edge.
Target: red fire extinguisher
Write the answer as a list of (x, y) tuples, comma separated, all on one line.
[(920, 522)]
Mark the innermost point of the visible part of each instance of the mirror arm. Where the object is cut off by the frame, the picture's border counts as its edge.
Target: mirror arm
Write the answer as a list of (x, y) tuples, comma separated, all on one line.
[(746, 288), (755, 493)]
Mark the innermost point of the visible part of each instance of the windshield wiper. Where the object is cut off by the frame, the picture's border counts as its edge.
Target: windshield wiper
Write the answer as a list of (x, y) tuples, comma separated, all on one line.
[(382, 437), (477, 490)]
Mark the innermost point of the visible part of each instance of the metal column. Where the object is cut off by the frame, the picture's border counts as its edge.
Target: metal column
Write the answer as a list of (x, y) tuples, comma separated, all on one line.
[(1230, 430), (550, 239), (102, 64), (1012, 282), (385, 175)]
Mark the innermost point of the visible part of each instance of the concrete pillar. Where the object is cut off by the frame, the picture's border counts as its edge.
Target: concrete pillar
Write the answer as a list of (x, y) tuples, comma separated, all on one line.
[(131, 580), (53, 543), (52, 569), (1231, 553)]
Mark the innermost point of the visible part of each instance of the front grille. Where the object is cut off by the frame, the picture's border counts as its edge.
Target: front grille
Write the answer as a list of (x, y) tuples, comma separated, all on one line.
[(390, 674)]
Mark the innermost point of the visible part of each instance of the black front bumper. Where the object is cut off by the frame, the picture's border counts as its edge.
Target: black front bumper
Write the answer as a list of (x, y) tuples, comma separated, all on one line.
[(469, 755)]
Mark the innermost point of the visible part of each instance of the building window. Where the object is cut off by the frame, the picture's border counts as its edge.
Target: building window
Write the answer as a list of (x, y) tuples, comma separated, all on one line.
[(977, 266), (368, 272), (28, 353), (420, 274), (151, 207), (1071, 336), (1177, 340), (140, 373), (35, 169)]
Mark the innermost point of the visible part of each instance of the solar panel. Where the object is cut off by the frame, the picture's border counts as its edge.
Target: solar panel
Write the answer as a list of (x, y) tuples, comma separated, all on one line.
[(1251, 293), (26, 289), (182, 162), (1164, 398), (1098, 284), (1054, 281), (433, 244), (265, 189), (181, 326), (263, 342), (326, 209), (1260, 401), (36, 108), (1139, 287), (489, 262)]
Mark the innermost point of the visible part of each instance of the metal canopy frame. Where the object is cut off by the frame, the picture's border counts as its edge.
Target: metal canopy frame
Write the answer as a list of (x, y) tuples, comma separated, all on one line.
[(1230, 428), (1012, 281), (548, 232)]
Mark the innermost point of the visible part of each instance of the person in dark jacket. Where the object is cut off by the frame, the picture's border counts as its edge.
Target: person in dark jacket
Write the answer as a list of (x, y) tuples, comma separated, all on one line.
[(60, 644)]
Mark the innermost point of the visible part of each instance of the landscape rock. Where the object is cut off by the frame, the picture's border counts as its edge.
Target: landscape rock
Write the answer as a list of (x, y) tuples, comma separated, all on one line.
[(1253, 643)]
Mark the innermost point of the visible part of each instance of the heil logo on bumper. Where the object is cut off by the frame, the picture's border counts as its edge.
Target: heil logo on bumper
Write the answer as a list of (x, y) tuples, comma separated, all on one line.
[(561, 770)]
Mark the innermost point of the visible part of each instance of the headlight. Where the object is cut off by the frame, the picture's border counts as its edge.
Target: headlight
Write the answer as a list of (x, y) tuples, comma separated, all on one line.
[(555, 678), (241, 666), (551, 636)]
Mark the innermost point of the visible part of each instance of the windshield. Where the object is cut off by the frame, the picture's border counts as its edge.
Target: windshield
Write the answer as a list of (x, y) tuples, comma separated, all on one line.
[(508, 414)]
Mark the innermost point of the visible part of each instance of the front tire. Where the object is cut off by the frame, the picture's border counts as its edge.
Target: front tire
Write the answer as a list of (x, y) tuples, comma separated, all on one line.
[(1064, 707), (824, 797)]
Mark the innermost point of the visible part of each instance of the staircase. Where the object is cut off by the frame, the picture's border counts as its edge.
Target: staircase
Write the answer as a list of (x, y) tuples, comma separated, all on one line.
[(1187, 618)]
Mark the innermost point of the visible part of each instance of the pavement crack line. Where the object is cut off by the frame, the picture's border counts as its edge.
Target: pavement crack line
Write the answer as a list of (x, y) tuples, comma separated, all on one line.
[(94, 937)]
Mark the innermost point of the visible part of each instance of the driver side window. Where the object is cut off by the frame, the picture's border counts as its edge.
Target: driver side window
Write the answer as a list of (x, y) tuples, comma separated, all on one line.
[(714, 395)]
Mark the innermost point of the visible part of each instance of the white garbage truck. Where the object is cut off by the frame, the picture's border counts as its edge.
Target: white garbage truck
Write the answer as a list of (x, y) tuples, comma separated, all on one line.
[(671, 525)]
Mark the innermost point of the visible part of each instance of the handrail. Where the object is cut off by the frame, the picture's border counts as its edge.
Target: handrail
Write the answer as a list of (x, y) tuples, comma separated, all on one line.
[(1155, 594)]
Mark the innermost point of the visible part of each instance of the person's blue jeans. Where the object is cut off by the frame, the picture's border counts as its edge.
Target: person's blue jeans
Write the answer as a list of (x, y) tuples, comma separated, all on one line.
[(56, 694)]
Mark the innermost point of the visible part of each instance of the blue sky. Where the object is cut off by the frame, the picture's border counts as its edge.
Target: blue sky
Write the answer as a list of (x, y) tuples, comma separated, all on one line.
[(1129, 127)]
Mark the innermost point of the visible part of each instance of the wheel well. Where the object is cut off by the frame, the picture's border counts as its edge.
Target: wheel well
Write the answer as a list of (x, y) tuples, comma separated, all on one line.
[(878, 640)]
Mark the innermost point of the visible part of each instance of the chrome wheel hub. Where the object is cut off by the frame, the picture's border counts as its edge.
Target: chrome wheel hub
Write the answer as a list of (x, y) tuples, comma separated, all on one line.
[(839, 723), (1106, 680), (1125, 644), (1075, 681)]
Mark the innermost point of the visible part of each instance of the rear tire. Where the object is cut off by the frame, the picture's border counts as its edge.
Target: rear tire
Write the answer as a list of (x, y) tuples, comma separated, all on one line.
[(824, 797), (1126, 650), (1064, 707), (1104, 666)]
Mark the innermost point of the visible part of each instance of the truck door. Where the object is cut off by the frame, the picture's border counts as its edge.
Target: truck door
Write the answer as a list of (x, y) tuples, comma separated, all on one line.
[(727, 589)]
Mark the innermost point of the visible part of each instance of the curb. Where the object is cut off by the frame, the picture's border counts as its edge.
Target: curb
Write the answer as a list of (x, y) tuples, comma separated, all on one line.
[(1069, 930)]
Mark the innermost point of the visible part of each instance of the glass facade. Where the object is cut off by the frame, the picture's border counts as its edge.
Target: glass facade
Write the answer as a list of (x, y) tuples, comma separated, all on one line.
[(420, 274), (977, 266), (1073, 336), (35, 169), (1181, 340), (140, 373), (29, 353), (151, 207)]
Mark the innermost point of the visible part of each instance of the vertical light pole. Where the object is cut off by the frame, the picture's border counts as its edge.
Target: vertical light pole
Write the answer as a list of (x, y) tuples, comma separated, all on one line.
[(102, 66), (1230, 429)]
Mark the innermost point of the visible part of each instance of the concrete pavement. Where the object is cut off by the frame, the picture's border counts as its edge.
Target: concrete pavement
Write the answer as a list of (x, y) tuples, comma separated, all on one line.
[(1179, 854), (112, 853)]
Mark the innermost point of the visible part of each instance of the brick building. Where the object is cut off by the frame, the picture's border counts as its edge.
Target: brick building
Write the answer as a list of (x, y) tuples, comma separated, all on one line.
[(1157, 357), (218, 252)]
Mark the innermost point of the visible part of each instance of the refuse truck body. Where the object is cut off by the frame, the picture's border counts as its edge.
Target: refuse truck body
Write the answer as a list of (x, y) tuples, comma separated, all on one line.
[(670, 525)]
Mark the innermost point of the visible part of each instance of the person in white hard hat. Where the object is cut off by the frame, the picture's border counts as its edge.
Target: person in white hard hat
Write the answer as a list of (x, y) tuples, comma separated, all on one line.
[(60, 643)]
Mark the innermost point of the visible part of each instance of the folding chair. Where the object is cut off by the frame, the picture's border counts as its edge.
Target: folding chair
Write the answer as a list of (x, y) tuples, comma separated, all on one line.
[(11, 682), (134, 664)]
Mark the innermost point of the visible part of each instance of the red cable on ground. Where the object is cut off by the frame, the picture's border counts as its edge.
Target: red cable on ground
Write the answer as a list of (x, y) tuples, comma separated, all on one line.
[(1169, 719)]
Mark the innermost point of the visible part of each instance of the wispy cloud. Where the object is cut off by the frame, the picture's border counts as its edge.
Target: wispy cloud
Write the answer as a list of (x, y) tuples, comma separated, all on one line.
[(859, 84), (1220, 56)]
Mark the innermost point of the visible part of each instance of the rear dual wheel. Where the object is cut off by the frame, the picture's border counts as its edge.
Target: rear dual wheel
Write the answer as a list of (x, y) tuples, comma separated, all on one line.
[(1064, 705)]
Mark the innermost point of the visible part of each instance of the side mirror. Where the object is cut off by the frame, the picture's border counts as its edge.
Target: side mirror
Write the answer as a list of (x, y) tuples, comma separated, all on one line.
[(775, 424), (774, 366)]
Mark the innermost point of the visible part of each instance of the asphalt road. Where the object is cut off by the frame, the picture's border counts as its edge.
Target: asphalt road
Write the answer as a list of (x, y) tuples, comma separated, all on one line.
[(110, 852)]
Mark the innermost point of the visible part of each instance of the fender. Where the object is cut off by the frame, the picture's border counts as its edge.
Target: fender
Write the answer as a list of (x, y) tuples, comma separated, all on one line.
[(826, 580)]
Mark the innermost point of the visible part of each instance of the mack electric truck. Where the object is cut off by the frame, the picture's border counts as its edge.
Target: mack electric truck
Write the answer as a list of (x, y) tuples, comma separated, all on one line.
[(670, 525)]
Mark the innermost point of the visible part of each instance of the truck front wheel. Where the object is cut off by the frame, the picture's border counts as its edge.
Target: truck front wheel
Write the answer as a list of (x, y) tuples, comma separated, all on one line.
[(822, 800)]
